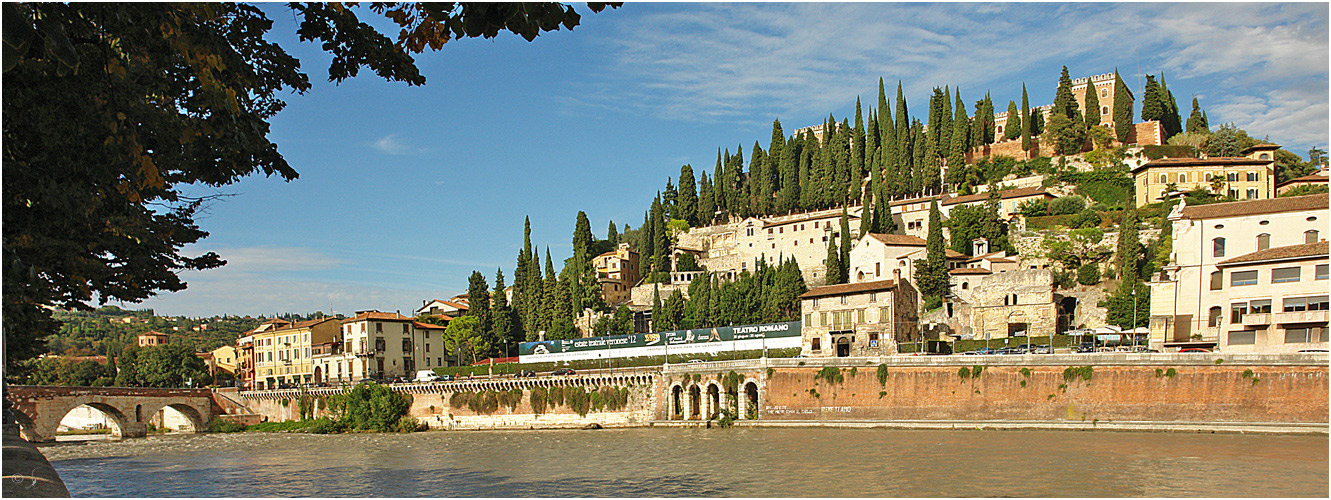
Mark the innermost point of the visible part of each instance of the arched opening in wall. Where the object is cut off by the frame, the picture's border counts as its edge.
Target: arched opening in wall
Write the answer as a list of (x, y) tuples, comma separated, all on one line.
[(676, 403), (1067, 314), (714, 398), (842, 347), (26, 429), (695, 400), (318, 374), (138, 413), (177, 418), (751, 395), (91, 421)]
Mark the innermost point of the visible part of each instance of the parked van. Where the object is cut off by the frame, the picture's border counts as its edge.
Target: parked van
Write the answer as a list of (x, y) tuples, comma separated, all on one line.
[(427, 376)]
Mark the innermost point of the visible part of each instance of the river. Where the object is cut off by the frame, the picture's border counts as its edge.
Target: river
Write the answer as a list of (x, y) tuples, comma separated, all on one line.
[(650, 462)]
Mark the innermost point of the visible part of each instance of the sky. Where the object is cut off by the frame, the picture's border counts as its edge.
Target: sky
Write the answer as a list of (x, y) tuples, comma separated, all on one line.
[(404, 191)]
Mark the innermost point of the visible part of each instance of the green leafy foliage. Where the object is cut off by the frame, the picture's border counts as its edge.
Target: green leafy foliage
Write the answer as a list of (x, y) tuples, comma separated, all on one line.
[(831, 374), (369, 407), (1088, 274)]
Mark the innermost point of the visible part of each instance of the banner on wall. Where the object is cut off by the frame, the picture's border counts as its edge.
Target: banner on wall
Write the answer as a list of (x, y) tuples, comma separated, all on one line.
[(698, 340)]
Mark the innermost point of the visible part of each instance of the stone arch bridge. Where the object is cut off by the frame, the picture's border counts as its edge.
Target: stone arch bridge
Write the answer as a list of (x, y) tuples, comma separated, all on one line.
[(39, 409)]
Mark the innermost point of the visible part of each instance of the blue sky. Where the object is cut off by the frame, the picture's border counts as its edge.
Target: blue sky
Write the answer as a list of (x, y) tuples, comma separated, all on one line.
[(403, 191)]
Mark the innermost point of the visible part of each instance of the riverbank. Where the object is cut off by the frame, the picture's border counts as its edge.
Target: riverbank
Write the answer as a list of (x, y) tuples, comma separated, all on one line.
[(27, 473), (1282, 428)]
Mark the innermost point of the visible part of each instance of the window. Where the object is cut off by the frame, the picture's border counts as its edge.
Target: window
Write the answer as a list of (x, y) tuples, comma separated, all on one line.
[(1310, 236), (1163, 179), (1104, 93), (873, 297), (1208, 177), (965, 285), (815, 303), (877, 269), (1242, 278), (1236, 312), (427, 349), (1252, 177), (378, 328), (379, 345), (1263, 241), (1251, 194), (406, 345), (404, 328), (1217, 280), (1297, 304), (843, 300), (1232, 176), (1285, 275), (1305, 335), (1213, 320), (1104, 110), (1261, 306), (1264, 156), (1218, 247), (1243, 337), (1321, 272), (1233, 193), (816, 344), (1183, 177)]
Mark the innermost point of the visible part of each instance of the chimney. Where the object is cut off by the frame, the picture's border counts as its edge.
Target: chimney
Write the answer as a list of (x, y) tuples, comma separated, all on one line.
[(896, 275)]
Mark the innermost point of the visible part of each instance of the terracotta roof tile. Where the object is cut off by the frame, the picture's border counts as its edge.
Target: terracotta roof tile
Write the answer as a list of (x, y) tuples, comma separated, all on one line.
[(1318, 177), (1256, 207), (1003, 195), (898, 239), (1317, 249), (426, 326), (376, 315), (850, 288), (1214, 161), (953, 254), (970, 270)]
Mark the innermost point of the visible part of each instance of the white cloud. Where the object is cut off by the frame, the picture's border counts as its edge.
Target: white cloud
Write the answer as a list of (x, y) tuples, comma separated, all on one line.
[(1288, 116), (391, 144)]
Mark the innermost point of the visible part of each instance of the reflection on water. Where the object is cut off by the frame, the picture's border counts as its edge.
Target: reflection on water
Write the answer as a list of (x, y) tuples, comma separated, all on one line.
[(699, 462)]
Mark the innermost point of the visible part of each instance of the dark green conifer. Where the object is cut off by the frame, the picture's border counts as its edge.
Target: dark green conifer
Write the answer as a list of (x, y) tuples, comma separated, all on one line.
[(1092, 101), (706, 206), (1196, 120), (1122, 109), (1013, 127), (687, 200), (1026, 129)]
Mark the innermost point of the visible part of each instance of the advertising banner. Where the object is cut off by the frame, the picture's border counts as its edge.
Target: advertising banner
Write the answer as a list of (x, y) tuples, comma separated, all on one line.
[(721, 338)]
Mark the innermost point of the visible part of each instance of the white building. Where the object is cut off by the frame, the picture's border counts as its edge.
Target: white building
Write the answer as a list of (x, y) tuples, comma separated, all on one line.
[(381, 345)]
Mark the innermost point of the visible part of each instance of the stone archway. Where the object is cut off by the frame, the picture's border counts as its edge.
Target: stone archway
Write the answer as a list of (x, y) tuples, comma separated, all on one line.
[(44, 429), (318, 374), (713, 401), (695, 400), (751, 400), (193, 419), (676, 402)]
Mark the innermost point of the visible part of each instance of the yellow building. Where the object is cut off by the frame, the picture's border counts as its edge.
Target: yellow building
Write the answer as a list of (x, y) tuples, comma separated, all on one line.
[(1249, 177), (283, 355), (222, 358)]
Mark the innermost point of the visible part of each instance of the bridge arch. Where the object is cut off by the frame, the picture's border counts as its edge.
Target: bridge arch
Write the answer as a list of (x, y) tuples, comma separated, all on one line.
[(193, 418)]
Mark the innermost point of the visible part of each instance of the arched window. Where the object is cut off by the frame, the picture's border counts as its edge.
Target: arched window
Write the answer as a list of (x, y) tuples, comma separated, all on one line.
[(1104, 110), (1263, 241), (1213, 319), (1264, 156), (1310, 236), (1218, 247), (1163, 179), (1217, 280), (965, 285), (1183, 177), (1104, 93)]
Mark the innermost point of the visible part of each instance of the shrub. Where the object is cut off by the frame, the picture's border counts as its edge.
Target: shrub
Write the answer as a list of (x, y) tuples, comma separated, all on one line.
[(1085, 218), (409, 424), (327, 426), (578, 400), (1088, 274), (1034, 208), (370, 407), (831, 374), (1067, 205), (224, 426), (538, 399), (1063, 279), (882, 375)]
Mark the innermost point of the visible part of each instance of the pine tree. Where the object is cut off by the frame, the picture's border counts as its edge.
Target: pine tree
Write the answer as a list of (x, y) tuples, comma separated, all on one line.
[(1025, 120), (1092, 101), (478, 304), (1012, 129), (1122, 109), (1065, 121), (1196, 120)]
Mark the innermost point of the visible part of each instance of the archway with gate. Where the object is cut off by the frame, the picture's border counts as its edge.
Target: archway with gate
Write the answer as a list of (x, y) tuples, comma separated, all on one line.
[(842, 346), (750, 400), (695, 402), (676, 402), (713, 401)]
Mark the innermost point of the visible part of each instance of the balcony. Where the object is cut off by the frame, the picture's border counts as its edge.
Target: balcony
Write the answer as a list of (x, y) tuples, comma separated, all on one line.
[(1301, 317), (1258, 319)]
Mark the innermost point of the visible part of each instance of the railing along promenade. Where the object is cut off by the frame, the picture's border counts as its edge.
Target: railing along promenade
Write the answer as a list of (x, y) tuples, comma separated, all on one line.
[(1068, 359), (588, 378)]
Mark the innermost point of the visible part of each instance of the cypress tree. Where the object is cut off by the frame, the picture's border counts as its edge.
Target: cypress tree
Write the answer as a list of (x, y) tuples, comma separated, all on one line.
[(668, 200), (1025, 120), (1012, 129), (612, 233), (706, 208), (960, 136), (502, 314), (760, 182), (945, 123), (1173, 124), (478, 304), (1122, 109), (1153, 103), (656, 307), (935, 116), (808, 186), (776, 154), (924, 160), (790, 177), (1037, 122), (736, 201), (931, 275), (847, 185), (688, 196), (1129, 252), (719, 186), (884, 115), (583, 239), (1196, 120), (900, 162), (833, 270), (989, 121), (1092, 101), (845, 247), (857, 146)]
